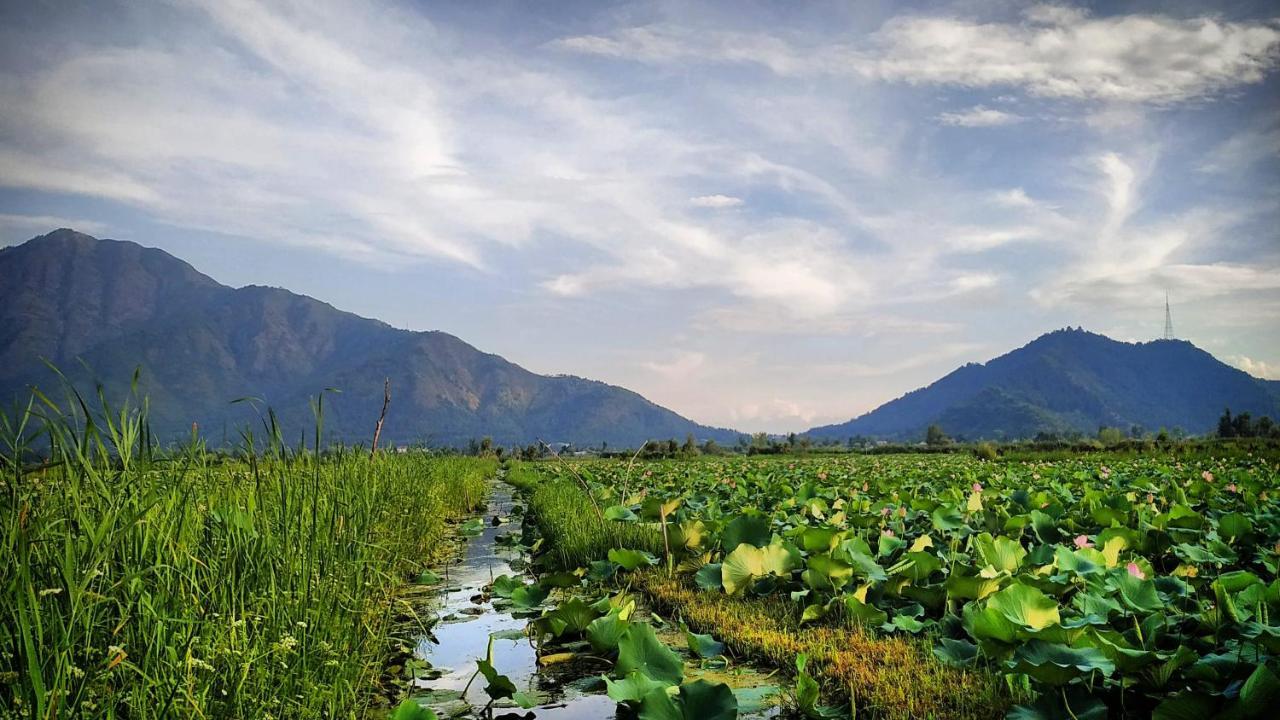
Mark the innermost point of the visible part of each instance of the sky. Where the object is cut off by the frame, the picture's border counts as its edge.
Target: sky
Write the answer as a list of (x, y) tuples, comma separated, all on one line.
[(763, 215)]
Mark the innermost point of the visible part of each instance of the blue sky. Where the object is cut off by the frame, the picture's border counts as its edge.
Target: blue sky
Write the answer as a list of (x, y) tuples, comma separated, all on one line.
[(763, 215)]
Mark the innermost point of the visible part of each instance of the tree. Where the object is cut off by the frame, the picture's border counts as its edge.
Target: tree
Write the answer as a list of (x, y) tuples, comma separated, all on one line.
[(1243, 425), (690, 447), (1226, 428), (1110, 435), (1266, 428), (934, 436)]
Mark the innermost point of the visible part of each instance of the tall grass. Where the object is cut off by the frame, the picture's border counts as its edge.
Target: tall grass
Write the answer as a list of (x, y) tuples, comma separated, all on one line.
[(574, 531), (143, 584)]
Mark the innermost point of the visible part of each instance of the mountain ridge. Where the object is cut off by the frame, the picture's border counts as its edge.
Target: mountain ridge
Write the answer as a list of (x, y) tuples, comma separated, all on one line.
[(1071, 381), (201, 344)]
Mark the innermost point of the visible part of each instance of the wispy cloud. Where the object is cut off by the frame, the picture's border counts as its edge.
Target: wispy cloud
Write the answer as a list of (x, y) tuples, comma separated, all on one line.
[(715, 201), (979, 116), (711, 180)]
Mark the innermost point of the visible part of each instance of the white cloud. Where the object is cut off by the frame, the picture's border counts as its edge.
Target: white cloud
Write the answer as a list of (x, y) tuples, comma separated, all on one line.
[(979, 116), (682, 367), (715, 201), (1056, 52), (23, 227), (1256, 368)]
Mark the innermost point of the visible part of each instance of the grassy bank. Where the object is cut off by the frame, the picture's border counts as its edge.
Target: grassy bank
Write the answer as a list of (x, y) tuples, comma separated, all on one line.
[(883, 677), (573, 529), (144, 584)]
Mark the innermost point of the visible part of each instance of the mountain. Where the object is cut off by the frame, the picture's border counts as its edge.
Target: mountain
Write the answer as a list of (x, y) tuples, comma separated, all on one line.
[(1072, 381), (98, 309)]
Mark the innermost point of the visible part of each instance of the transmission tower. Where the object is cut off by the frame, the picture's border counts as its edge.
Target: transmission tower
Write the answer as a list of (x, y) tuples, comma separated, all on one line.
[(1168, 319)]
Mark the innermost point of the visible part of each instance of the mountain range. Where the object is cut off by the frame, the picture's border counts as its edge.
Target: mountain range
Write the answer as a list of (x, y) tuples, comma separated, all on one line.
[(1072, 381), (99, 309)]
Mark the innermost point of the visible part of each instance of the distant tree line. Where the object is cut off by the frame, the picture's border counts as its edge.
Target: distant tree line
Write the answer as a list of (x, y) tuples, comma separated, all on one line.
[(1244, 426)]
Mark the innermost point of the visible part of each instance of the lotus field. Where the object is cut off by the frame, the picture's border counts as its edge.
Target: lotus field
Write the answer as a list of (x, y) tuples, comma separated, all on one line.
[(1083, 587)]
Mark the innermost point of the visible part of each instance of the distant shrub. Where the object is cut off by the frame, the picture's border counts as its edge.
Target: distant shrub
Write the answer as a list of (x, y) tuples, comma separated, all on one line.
[(985, 451)]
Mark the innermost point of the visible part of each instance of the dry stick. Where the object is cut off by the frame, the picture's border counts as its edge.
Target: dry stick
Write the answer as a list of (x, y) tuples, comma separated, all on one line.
[(377, 430)]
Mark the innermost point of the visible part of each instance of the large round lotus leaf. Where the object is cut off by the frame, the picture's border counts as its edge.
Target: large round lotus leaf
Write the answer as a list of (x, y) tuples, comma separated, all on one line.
[(1234, 525), (659, 705), (947, 518), (863, 613), (818, 539), (827, 573), (1085, 561), (986, 624), (747, 529), (970, 587), (620, 513), (1057, 664), (631, 559), (747, 563), (633, 688), (1186, 706), (708, 576), (1136, 593), (605, 633), (1002, 553), (1025, 606), (701, 700), (639, 650)]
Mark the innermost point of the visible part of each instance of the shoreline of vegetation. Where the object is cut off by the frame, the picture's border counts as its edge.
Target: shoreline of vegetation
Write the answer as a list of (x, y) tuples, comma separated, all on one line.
[(143, 583)]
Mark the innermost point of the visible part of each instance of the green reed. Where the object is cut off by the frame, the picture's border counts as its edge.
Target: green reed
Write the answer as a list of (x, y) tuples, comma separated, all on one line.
[(136, 583)]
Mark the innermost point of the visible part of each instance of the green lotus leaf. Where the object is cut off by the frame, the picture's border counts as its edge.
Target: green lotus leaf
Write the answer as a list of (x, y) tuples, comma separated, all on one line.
[(947, 518), (1025, 606), (1234, 525), (708, 576), (504, 586), (639, 650), (605, 633), (1084, 561), (1187, 705), (749, 529), (1002, 553), (827, 573), (959, 653), (1137, 594), (1057, 664), (633, 688), (988, 624), (620, 513), (971, 587), (409, 709), (631, 559), (747, 563), (703, 646), (702, 700), (528, 597), (818, 539), (863, 613)]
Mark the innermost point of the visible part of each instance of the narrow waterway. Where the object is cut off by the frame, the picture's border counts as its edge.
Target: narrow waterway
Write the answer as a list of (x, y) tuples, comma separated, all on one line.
[(468, 619)]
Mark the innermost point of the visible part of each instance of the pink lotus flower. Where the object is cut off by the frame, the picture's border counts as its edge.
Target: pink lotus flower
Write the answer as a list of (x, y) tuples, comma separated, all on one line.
[(884, 511), (1231, 487), (1208, 476), (888, 533), (977, 487), (1105, 472), (1082, 541), (1136, 571)]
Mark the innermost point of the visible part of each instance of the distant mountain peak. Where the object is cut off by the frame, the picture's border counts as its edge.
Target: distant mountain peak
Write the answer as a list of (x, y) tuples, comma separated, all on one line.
[(1071, 380), (68, 296)]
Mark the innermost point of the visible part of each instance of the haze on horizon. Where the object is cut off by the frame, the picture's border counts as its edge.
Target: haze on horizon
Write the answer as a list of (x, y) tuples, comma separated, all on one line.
[(761, 216)]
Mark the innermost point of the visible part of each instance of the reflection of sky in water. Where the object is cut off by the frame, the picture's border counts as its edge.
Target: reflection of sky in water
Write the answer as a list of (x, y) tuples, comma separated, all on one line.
[(464, 638)]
